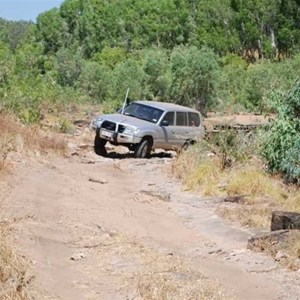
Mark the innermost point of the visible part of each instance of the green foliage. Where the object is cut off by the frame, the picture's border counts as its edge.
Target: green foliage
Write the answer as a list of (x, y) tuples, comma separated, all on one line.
[(30, 116), (96, 81), (265, 27), (110, 56), (247, 87), (195, 53), (16, 33), (232, 80), (65, 126), (282, 142), (52, 30), (258, 82), (194, 76), (6, 65), (157, 74), (128, 75), (233, 146), (67, 65), (290, 166), (214, 26), (29, 58)]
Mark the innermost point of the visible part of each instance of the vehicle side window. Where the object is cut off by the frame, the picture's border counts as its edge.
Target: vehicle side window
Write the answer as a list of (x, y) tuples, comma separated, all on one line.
[(169, 117), (181, 119), (194, 119)]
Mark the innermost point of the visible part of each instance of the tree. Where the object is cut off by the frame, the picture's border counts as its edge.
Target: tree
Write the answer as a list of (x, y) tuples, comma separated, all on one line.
[(29, 58), (68, 65), (214, 28), (157, 74), (52, 30), (128, 75), (195, 73), (96, 81), (110, 56), (6, 65)]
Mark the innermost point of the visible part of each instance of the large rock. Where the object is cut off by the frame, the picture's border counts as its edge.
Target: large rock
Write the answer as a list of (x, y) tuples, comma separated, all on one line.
[(282, 220), (263, 242)]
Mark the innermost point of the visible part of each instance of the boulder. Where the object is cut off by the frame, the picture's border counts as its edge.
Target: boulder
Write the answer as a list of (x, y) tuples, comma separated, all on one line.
[(282, 220), (262, 242)]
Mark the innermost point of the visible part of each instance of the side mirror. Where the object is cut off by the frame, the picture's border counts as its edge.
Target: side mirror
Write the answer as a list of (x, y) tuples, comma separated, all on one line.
[(165, 123)]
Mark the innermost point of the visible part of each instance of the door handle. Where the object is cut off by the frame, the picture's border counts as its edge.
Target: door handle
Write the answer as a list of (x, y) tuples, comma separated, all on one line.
[(173, 131), (187, 131)]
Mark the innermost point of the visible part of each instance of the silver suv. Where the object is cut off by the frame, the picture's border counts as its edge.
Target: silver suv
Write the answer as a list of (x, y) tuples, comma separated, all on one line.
[(145, 125)]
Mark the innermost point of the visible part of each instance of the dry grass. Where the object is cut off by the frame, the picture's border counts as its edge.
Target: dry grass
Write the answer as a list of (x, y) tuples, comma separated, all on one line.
[(205, 177), (144, 272), (288, 244), (14, 277), (17, 138), (250, 181), (247, 216), (36, 140), (263, 194), (170, 277), (167, 286), (202, 172), (7, 137), (198, 172)]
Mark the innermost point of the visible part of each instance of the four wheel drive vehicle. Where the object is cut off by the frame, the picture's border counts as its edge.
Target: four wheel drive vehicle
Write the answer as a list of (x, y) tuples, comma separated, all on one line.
[(145, 125)]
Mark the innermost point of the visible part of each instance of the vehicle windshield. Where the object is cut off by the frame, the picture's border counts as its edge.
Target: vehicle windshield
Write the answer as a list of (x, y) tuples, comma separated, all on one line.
[(143, 112)]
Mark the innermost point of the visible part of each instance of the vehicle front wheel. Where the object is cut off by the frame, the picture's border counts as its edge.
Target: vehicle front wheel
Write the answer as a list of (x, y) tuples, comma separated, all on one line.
[(99, 145), (143, 149)]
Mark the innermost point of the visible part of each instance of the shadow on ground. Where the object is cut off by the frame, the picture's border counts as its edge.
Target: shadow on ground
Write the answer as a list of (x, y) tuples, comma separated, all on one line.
[(116, 155)]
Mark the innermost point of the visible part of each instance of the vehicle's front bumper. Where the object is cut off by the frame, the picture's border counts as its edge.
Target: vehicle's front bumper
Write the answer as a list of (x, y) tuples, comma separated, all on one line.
[(117, 138)]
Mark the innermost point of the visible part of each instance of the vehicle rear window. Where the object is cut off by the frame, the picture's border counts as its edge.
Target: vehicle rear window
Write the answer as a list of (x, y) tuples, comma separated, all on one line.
[(169, 117), (194, 119), (181, 119)]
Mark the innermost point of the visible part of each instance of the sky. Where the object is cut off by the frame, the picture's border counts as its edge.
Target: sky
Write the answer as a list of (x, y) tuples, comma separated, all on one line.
[(25, 9)]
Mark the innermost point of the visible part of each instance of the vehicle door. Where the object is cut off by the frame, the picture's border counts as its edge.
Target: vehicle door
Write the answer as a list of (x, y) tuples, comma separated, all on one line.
[(167, 139), (194, 130), (181, 128)]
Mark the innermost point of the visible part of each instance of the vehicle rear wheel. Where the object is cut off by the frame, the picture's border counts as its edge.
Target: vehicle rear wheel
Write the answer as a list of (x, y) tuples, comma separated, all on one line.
[(143, 149), (99, 145)]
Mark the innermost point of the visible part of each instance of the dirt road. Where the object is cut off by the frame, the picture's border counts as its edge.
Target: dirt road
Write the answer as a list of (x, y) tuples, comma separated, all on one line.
[(119, 228)]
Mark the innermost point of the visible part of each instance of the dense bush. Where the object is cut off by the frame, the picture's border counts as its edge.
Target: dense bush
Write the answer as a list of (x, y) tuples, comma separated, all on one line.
[(290, 165), (193, 53), (195, 74), (281, 149)]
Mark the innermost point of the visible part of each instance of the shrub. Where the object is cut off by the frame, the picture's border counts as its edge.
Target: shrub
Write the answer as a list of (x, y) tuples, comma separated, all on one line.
[(290, 165), (65, 126), (30, 115), (281, 147)]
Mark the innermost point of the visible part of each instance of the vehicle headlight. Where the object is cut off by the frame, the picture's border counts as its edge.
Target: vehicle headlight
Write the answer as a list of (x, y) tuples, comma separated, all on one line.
[(97, 122), (130, 130)]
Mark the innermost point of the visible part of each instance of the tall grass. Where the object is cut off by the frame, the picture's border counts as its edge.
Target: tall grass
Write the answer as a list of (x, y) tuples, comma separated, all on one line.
[(15, 278), (201, 169), (15, 137)]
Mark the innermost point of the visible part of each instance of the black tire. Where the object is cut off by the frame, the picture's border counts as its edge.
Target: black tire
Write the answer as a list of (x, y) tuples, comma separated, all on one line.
[(143, 149), (99, 145)]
